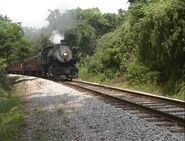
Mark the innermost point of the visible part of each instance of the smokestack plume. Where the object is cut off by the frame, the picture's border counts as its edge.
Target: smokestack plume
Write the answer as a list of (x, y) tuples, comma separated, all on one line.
[(56, 37)]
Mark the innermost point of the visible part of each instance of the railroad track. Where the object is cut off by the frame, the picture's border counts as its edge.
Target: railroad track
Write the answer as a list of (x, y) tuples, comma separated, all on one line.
[(164, 111)]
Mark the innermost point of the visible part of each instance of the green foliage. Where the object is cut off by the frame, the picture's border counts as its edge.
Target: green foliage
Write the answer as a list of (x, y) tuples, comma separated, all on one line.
[(144, 45), (103, 23), (83, 37), (106, 58), (36, 39), (85, 74), (94, 18), (11, 116), (7, 101), (157, 30), (147, 49), (161, 36), (4, 81), (140, 74), (13, 46), (92, 24), (80, 27), (174, 87), (112, 21), (3, 64), (62, 22)]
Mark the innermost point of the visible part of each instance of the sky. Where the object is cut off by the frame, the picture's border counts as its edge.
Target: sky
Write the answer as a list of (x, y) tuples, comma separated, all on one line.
[(34, 12)]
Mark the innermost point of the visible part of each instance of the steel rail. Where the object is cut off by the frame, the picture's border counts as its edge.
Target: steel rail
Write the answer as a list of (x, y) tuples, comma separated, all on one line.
[(169, 100), (169, 117)]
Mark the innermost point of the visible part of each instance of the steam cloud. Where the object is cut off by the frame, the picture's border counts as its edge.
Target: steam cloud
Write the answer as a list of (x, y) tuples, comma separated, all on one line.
[(56, 37), (61, 22)]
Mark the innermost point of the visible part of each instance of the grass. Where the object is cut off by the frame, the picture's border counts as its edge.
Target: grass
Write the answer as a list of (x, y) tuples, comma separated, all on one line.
[(11, 114), (122, 83), (148, 88)]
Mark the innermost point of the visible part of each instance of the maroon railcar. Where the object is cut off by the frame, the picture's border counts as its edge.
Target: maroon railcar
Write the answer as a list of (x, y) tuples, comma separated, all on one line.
[(16, 68), (33, 65)]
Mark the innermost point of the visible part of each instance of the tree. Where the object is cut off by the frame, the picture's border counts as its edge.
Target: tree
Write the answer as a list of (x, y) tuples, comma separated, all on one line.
[(95, 18), (83, 37), (62, 21), (161, 37), (13, 48), (12, 41)]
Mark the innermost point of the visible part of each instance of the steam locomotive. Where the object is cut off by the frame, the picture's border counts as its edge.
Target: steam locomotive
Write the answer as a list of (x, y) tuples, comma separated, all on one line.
[(54, 62)]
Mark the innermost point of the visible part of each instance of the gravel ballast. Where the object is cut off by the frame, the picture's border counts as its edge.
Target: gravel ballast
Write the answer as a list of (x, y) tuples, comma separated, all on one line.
[(55, 113)]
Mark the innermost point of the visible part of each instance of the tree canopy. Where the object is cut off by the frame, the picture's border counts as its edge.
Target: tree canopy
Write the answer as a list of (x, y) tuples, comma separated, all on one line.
[(13, 45)]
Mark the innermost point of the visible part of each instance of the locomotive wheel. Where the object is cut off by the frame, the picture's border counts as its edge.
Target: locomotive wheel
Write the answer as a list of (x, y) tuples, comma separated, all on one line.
[(69, 79), (50, 74)]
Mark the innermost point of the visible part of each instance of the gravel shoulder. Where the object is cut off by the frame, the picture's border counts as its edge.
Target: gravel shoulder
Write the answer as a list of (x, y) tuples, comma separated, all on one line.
[(58, 113)]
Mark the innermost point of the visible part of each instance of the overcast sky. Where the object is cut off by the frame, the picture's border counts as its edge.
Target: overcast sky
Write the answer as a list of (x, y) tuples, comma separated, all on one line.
[(34, 12)]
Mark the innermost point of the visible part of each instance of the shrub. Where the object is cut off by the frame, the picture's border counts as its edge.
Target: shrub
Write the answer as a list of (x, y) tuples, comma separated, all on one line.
[(11, 115), (140, 74)]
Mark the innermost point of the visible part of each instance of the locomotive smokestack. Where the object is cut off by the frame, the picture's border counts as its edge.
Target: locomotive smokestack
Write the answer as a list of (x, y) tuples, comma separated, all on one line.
[(56, 37), (63, 42)]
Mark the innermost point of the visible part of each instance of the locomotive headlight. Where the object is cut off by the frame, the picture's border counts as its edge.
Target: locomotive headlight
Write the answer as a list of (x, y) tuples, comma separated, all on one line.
[(65, 54)]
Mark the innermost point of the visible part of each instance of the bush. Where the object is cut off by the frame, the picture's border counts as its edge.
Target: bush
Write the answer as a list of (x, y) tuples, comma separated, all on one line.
[(174, 87), (11, 115), (140, 74), (7, 101)]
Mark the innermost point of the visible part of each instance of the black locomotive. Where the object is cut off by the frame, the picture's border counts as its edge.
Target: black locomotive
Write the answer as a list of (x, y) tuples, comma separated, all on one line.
[(58, 62), (54, 62)]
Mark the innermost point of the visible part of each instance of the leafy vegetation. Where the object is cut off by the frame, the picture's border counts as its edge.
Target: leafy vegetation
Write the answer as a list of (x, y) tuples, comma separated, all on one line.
[(14, 47), (11, 115), (142, 47), (146, 49)]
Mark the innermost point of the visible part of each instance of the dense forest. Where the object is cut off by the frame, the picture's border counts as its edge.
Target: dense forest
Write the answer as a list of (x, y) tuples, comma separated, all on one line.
[(141, 48)]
